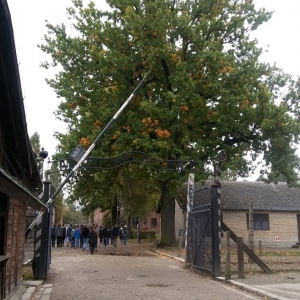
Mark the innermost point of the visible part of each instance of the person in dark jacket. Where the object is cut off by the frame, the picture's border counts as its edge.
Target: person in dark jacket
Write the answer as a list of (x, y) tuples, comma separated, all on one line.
[(115, 234), (85, 236), (53, 235), (107, 235), (121, 235), (125, 233), (101, 235), (69, 233), (59, 234), (64, 234), (93, 238)]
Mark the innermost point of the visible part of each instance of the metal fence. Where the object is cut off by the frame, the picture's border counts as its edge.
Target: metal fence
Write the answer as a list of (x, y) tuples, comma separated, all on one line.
[(204, 231)]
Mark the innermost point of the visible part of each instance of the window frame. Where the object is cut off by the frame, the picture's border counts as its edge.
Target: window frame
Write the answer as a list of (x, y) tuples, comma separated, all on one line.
[(153, 220), (261, 221)]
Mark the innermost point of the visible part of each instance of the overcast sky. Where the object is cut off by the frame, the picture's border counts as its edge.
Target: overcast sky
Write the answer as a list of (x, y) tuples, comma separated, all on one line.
[(281, 33)]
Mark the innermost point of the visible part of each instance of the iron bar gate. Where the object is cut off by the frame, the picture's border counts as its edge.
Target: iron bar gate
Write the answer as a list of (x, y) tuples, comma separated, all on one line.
[(204, 228)]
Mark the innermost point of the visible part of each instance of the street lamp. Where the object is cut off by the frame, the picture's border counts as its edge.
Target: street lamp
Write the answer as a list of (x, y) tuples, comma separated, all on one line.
[(217, 166), (43, 155)]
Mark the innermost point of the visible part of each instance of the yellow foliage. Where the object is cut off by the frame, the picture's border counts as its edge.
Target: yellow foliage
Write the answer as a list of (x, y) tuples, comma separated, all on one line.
[(226, 70), (85, 142), (184, 108), (97, 124), (175, 58), (148, 122), (162, 133), (128, 9), (127, 128)]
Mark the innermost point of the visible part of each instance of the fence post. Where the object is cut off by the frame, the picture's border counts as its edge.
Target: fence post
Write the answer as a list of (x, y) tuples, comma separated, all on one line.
[(227, 256), (240, 253), (260, 248), (41, 249), (190, 198), (216, 229), (251, 227)]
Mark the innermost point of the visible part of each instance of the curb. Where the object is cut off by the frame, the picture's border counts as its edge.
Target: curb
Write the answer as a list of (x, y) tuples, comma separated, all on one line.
[(28, 293), (171, 256), (31, 285), (242, 286), (251, 289)]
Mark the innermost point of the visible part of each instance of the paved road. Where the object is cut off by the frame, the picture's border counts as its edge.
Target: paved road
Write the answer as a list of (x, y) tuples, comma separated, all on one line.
[(79, 275), (283, 284)]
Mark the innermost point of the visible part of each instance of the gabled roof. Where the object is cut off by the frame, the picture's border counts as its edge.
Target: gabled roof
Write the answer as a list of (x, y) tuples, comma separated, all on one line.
[(12, 114), (279, 197), (18, 169), (235, 196)]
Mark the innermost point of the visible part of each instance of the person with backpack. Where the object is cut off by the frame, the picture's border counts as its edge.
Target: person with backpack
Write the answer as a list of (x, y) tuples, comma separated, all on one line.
[(115, 234), (121, 235), (69, 233), (85, 236), (125, 233), (77, 235), (59, 235), (101, 235), (107, 235), (53, 235), (93, 238)]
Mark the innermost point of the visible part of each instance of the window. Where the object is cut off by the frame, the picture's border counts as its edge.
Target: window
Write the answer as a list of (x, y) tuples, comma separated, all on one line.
[(153, 222), (134, 223), (260, 222)]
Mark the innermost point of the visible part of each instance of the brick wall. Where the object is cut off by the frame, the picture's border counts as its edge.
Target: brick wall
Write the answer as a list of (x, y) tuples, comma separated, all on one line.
[(29, 240), (16, 225), (98, 217), (151, 223)]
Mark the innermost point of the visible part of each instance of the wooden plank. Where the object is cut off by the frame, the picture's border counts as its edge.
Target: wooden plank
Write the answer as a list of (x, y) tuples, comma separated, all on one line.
[(251, 254), (227, 257), (240, 253)]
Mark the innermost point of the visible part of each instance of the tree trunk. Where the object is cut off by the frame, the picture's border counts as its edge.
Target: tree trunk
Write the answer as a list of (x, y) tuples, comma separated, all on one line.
[(167, 214), (114, 213)]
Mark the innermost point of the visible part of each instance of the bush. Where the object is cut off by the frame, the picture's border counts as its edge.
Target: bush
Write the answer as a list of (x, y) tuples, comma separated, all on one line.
[(147, 235)]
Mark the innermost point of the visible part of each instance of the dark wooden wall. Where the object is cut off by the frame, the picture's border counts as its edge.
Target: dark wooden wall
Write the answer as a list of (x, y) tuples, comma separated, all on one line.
[(16, 223)]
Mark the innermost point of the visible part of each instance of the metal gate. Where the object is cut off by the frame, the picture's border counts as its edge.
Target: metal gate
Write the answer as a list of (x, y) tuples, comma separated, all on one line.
[(204, 231)]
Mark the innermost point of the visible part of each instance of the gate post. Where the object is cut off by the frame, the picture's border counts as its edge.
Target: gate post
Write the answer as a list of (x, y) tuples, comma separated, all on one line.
[(216, 229), (39, 263), (190, 200)]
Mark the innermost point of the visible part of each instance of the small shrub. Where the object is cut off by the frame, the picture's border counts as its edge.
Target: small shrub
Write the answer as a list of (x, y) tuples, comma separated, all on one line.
[(147, 235), (27, 272)]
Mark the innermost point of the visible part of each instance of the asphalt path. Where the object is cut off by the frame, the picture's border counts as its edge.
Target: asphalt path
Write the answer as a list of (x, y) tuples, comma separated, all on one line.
[(76, 274)]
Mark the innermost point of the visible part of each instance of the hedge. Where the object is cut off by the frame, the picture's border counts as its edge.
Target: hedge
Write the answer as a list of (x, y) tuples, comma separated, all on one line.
[(144, 234)]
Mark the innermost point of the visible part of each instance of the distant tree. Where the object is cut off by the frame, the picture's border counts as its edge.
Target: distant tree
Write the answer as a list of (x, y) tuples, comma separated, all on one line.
[(207, 90), (272, 177), (74, 216), (60, 207), (35, 143)]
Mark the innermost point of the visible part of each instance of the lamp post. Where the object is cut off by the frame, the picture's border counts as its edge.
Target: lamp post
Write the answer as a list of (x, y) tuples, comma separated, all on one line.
[(43, 155), (216, 215), (42, 238)]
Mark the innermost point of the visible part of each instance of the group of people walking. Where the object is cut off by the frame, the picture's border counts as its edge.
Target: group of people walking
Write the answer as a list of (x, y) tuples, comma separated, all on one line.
[(86, 237)]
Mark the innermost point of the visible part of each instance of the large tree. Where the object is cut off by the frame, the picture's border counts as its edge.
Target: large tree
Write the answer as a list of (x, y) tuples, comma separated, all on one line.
[(56, 179), (207, 90), (35, 143)]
